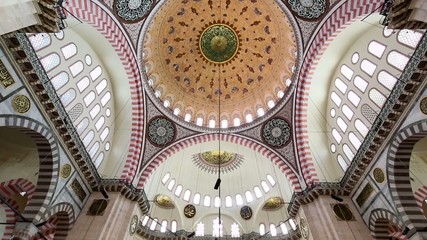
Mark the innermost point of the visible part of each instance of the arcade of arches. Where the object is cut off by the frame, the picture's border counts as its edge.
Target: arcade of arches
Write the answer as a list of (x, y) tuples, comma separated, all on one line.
[(249, 119)]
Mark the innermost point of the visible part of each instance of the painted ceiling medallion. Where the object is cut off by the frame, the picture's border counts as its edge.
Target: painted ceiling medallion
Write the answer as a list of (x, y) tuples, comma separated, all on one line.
[(308, 9), (189, 211), (164, 201), (423, 105), (21, 103), (161, 131), (273, 203), (218, 43), (66, 170), (133, 10), (277, 132), (199, 53), (208, 161), (379, 175), (246, 212)]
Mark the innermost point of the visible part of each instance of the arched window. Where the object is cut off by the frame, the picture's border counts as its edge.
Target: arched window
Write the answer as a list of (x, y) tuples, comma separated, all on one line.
[(99, 160), (104, 134), (94, 149), (249, 197), (95, 73), (354, 98), (89, 98), (101, 86), (88, 138), (341, 123), (171, 184), (347, 112), (207, 201), (164, 226), (377, 97), (236, 122), (369, 113), (361, 127), (83, 84), (273, 231), (360, 83), (50, 61), (224, 123), (271, 180), (76, 68), (235, 231), (347, 151), (105, 99), (88, 60), (68, 97), (386, 79), (260, 112), (167, 103), (212, 123), (94, 111), (377, 49), (336, 99), (270, 104), (228, 201), (178, 190), (249, 118), (354, 140), (174, 226), (346, 72), (265, 186), (187, 195), (75, 112), (82, 125), (100, 123), (257, 191), (196, 199), (166, 178), (200, 230), (262, 229), (336, 135), (355, 58), (340, 85), (40, 41), (397, 60), (59, 80), (239, 200), (409, 38), (176, 111), (333, 112), (145, 220), (153, 225), (368, 67), (199, 121), (217, 202), (69, 50), (283, 228), (187, 117)]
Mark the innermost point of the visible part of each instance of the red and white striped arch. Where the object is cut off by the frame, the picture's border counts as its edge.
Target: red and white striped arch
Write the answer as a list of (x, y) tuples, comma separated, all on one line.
[(336, 22), (93, 14), (281, 163), (420, 196), (16, 186)]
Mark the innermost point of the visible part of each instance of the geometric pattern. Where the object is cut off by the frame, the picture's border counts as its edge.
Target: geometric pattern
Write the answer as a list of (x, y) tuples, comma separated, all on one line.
[(398, 157), (162, 156), (96, 16)]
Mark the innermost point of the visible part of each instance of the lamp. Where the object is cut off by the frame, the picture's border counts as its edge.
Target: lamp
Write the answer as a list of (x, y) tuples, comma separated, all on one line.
[(218, 183), (191, 235)]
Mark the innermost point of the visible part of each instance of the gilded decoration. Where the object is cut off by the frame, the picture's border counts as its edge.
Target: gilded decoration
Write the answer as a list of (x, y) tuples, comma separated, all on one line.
[(273, 203), (164, 201), (133, 225), (133, 10), (78, 190), (189, 211), (200, 54), (246, 212), (342, 212), (379, 175), (208, 161), (161, 131), (21, 103), (66, 170), (5, 77), (308, 9), (218, 43), (364, 194), (276, 132), (97, 208), (423, 105)]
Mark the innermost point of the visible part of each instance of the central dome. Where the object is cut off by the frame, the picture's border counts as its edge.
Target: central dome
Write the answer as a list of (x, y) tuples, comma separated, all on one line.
[(218, 63), (218, 43)]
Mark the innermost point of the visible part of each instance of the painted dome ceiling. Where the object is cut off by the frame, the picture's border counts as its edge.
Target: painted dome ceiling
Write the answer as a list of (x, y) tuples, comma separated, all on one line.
[(199, 53)]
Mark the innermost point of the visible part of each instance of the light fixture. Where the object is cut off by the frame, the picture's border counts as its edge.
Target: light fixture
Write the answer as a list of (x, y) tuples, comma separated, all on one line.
[(218, 183), (191, 235)]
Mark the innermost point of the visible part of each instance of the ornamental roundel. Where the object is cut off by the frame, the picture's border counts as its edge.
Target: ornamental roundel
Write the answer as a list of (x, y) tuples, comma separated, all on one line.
[(379, 175), (21, 103), (66, 170), (133, 225), (276, 132), (246, 212), (133, 10), (189, 211), (161, 131), (423, 105), (308, 9)]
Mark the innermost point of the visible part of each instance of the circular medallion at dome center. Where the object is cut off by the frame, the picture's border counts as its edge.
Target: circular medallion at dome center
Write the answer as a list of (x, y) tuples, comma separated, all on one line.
[(218, 43)]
